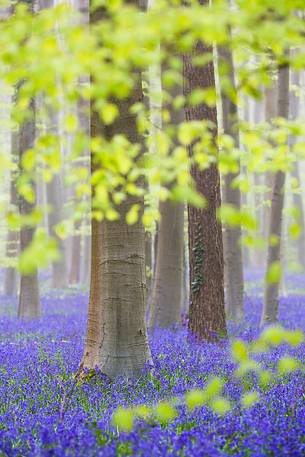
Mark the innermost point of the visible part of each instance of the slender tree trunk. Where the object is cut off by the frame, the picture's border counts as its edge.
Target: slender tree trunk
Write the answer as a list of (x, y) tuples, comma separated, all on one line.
[(270, 113), (245, 115), (86, 262), (271, 294), (207, 311), (29, 303), (168, 280), (55, 199), (298, 203), (166, 301), (186, 279), (116, 340), (232, 234), (10, 279), (75, 259), (148, 262), (297, 195)]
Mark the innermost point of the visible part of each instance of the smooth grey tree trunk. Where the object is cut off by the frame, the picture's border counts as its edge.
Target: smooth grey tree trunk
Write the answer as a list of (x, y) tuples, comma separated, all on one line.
[(297, 194), (168, 281), (86, 258), (167, 289), (232, 235), (270, 97), (11, 276), (116, 340), (245, 115), (29, 303), (75, 259), (55, 202), (271, 292)]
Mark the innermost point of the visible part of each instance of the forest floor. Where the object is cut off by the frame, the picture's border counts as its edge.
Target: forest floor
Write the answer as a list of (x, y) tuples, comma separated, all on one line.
[(42, 412)]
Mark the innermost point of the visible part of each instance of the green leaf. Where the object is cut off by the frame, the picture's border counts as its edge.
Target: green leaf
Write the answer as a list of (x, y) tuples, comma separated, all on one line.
[(249, 398), (214, 387), (274, 273), (221, 406), (195, 398), (165, 411), (294, 230), (123, 418), (70, 122), (294, 337), (133, 214), (143, 411), (109, 113), (273, 335), (287, 365), (239, 350), (39, 253)]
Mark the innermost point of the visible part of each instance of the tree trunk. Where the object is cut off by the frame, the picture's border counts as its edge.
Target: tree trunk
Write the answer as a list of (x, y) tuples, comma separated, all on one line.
[(298, 203), (86, 262), (74, 274), (166, 301), (55, 200), (10, 279), (148, 262), (168, 281), (271, 293), (233, 263), (297, 195), (29, 303), (116, 340), (245, 115), (270, 114), (207, 312)]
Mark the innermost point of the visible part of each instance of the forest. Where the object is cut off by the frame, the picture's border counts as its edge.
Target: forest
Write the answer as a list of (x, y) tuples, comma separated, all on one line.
[(152, 228)]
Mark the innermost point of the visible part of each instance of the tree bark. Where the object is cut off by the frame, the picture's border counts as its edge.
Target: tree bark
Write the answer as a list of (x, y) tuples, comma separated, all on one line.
[(116, 340), (233, 263), (167, 292), (86, 262), (74, 273), (207, 311), (168, 281), (270, 114), (148, 262), (297, 195), (271, 293), (29, 303), (10, 279), (55, 200)]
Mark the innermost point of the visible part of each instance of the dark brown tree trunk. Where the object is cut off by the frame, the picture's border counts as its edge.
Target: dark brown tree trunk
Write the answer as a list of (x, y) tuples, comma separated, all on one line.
[(207, 311), (29, 303), (233, 262), (116, 340)]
